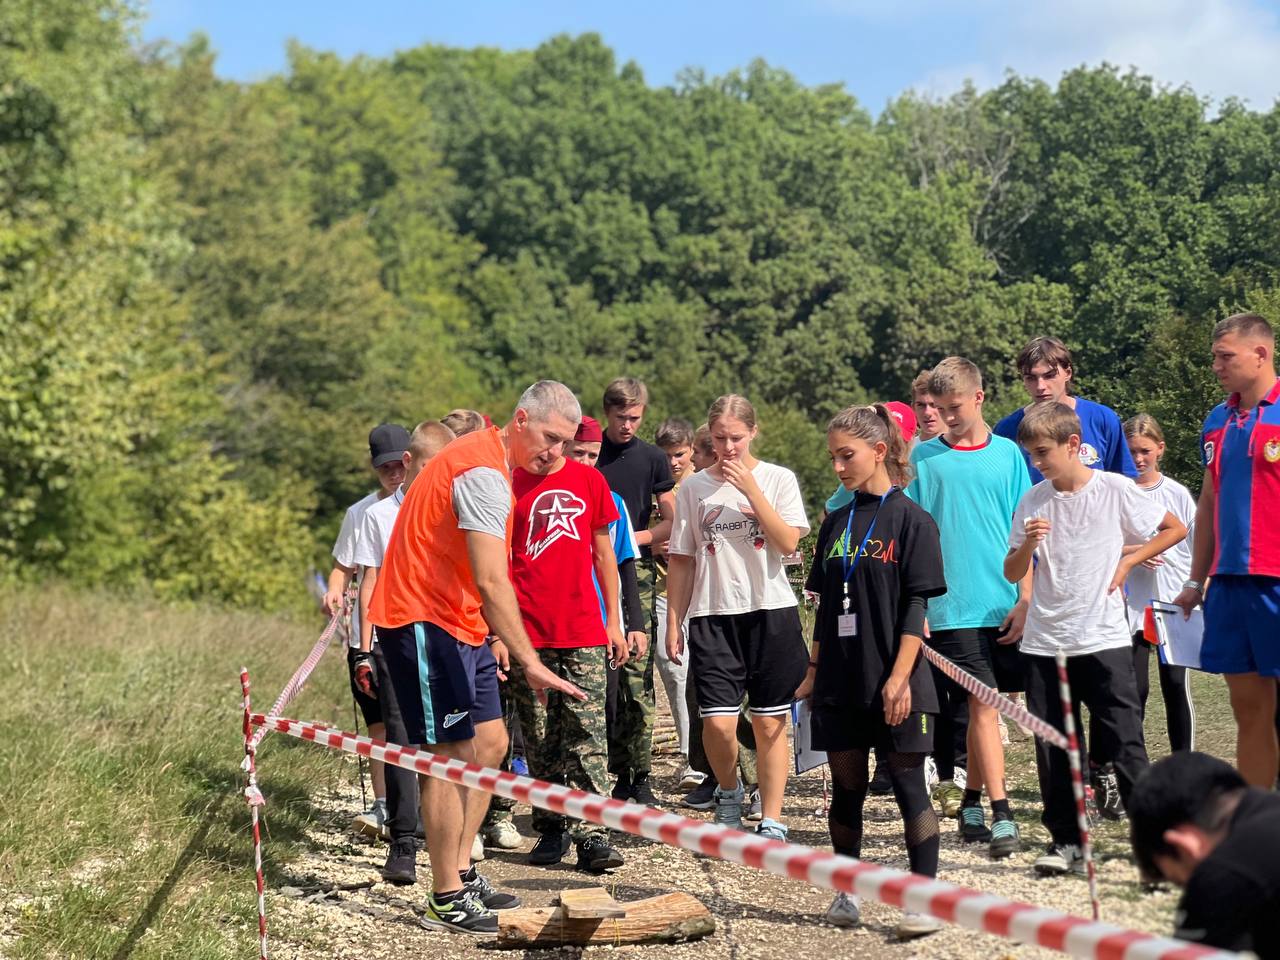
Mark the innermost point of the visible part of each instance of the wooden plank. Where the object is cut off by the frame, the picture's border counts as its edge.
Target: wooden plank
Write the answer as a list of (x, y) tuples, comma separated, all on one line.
[(590, 903), (666, 919)]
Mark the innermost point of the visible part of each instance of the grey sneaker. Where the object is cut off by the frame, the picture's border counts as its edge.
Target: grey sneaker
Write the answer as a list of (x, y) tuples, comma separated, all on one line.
[(465, 913), (913, 925), (755, 812), (1059, 859), (772, 829), (845, 911), (729, 807), (373, 822)]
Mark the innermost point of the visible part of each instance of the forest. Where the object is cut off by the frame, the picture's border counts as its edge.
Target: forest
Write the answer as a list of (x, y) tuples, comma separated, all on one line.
[(210, 290)]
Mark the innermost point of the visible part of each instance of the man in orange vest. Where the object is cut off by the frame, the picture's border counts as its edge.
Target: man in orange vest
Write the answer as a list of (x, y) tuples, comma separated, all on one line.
[(443, 589)]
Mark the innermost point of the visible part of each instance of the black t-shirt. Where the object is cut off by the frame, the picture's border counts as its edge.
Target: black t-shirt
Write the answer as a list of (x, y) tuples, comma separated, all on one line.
[(637, 472), (1232, 900), (902, 559)]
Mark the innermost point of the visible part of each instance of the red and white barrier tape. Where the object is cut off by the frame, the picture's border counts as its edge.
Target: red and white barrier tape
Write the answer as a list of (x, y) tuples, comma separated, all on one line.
[(254, 798), (1077, 779), (968, 908), (298, 680), (993, 698)]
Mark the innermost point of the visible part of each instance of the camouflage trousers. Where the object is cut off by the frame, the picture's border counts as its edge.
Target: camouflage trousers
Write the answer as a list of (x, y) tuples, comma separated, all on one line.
[(633, 701), (502, 808), (565, 741)]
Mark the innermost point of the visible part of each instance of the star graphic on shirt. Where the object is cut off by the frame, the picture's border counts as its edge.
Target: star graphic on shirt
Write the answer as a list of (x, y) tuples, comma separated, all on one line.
[(551, 517), (560, 516)]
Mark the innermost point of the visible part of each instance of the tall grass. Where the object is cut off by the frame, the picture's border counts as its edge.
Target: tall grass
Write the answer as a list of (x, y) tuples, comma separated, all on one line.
[(123, 832)]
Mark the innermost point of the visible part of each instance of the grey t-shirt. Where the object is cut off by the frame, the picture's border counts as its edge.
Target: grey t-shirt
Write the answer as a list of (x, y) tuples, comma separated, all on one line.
[(482, 501)]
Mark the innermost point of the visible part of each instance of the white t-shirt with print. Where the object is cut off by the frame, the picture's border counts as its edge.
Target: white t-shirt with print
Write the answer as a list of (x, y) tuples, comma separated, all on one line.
[(1071, 609), (736, 569), (344, 551), (1165, 581)]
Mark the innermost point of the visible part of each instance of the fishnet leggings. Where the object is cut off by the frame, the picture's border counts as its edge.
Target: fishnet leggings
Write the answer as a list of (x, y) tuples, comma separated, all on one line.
[(850, 777)]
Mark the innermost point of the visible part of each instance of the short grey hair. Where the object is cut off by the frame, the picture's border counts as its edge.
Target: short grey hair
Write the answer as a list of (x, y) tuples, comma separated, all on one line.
[(546, 399)]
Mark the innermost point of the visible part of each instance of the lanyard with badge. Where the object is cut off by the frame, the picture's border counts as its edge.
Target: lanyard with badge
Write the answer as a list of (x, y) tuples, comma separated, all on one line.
[(847, 623)]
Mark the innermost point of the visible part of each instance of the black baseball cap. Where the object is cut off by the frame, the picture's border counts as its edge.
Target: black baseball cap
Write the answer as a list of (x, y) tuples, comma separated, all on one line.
[(387, 441)]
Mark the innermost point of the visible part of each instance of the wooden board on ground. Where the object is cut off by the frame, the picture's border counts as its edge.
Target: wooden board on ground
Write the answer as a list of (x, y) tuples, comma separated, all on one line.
[(592, 916)]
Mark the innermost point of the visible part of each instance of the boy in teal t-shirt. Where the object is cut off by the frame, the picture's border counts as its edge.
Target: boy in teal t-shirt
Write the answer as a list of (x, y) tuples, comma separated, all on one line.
[(970, 481)]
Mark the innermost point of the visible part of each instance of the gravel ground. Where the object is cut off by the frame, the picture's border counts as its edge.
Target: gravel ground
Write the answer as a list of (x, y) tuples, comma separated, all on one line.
[(757, 915)]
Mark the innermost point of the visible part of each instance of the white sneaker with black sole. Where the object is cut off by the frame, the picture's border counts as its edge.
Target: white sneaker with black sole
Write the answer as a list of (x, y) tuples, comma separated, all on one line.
[(1060, 859)]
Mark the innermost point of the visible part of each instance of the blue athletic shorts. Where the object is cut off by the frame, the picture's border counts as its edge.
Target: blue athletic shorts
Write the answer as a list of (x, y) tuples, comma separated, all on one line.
[(1242, 626), (444, 687)]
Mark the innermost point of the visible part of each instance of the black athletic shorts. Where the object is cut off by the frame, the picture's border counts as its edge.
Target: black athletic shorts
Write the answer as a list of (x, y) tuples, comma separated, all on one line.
[(369, 707), (760, 654), (975, 650), (846, 728)]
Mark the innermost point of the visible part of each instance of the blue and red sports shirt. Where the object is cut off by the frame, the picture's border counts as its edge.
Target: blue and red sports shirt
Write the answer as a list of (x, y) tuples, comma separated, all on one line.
[(1241, 451)]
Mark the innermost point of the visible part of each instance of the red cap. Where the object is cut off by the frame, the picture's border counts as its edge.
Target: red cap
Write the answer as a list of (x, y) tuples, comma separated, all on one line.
[(589, 431), (487, 422), (905, 416)]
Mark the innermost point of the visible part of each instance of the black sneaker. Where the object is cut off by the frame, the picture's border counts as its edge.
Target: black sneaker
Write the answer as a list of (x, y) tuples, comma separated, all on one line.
[(642, 792), (402, 862), (622, 789), (596, 856), (489, 895), (880, 784), (550, 849), (1106, 792), (462, 913), (701, 797), (973, 826)]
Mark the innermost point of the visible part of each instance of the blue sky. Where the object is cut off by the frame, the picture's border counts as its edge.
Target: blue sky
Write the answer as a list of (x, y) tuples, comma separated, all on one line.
[(876, 48)]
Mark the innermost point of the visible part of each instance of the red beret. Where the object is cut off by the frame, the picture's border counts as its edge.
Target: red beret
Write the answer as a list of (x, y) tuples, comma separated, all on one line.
[(589, 431)]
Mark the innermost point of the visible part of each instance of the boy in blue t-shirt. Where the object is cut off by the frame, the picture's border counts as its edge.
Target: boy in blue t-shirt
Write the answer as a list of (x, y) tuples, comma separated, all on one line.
[(970, 481)]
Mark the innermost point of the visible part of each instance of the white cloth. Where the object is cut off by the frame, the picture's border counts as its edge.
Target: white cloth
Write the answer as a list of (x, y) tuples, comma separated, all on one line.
[(375, 529), (736, 569), (1071, 609), (1164, 582), (344, 551)]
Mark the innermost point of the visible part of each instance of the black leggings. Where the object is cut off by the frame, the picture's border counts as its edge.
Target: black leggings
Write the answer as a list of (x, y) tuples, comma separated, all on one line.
[(849, 791)]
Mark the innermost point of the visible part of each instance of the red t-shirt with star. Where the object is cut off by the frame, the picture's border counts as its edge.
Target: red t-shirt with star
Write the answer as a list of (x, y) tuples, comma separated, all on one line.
[(551, 559)]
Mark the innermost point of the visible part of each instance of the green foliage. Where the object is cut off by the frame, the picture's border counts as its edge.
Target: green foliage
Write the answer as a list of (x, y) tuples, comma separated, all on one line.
[(211, 291)]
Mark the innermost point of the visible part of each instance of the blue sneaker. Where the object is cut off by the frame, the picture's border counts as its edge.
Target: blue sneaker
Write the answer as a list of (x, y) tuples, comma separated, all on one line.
[(772, 829), (729, 807), (1005, 839), (973, 825), (519, 765)]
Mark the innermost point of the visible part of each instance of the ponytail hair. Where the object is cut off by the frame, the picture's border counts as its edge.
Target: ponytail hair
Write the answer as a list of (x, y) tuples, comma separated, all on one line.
[(735, 406), (1143, 425), (875, 424)]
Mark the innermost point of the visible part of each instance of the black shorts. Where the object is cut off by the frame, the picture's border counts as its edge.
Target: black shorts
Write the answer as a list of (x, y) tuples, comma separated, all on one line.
[(975, 651), (444, 687), (369, 707), (845, 728), (760, 654)]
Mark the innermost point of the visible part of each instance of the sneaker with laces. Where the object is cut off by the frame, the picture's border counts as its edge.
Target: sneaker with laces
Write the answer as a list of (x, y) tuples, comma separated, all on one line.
[(959, 777), (772, 829), (1059, 859), (401, 867), (691, 778), (845, 911), (373, 822), (729, 807), (462, 912), (502, 835), (1005, 839), (701, 797), (550, 849), (950, 798), (973, 825), (1107, 793), (489, 895), (755, 812), (913, 925), (642, 791), (595, 855)]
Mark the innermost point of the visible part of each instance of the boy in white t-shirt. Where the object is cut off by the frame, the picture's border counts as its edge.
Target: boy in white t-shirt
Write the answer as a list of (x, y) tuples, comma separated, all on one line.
[(1076, 523)]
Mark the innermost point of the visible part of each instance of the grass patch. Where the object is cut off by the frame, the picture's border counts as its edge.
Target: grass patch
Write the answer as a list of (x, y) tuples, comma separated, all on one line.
[(125, 835)]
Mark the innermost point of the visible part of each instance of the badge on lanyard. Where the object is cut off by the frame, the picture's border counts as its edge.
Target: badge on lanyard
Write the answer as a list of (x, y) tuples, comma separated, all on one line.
[(847, 623)]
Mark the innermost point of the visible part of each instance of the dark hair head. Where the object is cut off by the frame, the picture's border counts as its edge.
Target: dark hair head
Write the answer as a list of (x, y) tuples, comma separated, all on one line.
[(1049, 421), (1049, 350), (1245, 325), (875, 424), (1185, 788), (674, 432)]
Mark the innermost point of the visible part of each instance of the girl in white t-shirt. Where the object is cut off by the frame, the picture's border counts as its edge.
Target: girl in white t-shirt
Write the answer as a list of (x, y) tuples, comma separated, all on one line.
[(735, 523), (1161, 578)]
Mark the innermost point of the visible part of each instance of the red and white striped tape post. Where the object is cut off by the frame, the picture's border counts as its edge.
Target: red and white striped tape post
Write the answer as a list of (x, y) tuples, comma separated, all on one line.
[(1077, 779), (298, 680), (993, 698), (253, 796), (968, 908)]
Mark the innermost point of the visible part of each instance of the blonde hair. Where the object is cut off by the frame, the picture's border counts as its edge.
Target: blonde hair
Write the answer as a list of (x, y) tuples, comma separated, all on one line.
[(732, 405), (1143, 425), (429, 438), (463, 421), (1048, 421), (875, 424), (954, 375), (625, 392)]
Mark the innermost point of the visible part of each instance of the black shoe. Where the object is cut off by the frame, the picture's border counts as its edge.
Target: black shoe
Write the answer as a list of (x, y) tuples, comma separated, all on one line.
[(550, 849), (596, 856), (489, 895), (973, 826), (462, 913), (881, 785), (642, 792), (1106, 792), (402, 862), (701, 797), (622, 789)]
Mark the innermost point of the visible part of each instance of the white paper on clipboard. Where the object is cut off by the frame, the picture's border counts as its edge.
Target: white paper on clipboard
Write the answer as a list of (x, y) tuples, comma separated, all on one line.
[(1180, 638), (802, 738)]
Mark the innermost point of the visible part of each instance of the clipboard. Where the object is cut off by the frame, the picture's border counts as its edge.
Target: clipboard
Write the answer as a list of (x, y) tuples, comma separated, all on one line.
[(1180, 639), (802, 738)]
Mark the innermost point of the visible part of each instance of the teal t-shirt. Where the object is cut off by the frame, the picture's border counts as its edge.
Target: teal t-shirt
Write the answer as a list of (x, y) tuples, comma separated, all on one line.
[(971, 493)]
